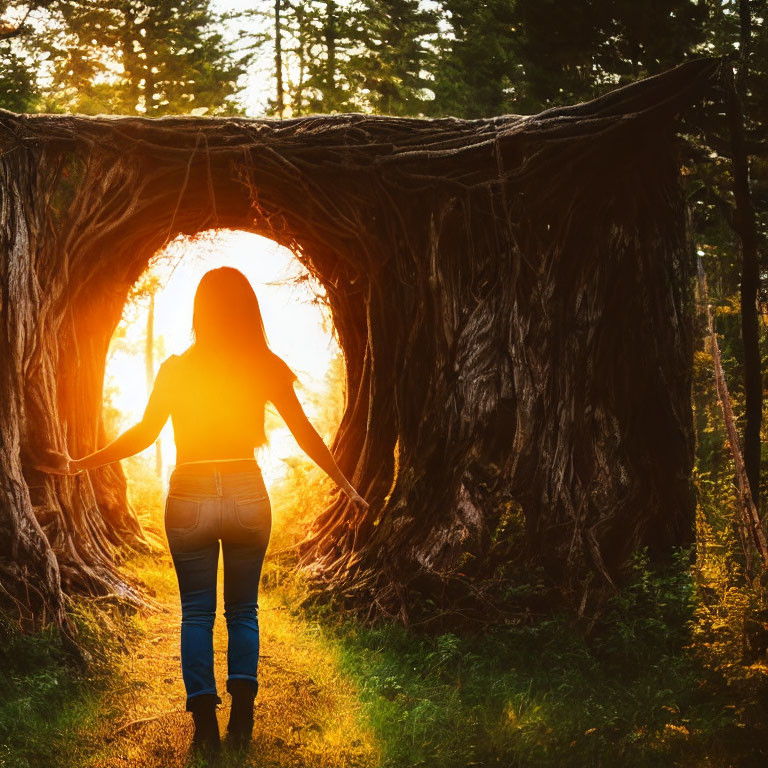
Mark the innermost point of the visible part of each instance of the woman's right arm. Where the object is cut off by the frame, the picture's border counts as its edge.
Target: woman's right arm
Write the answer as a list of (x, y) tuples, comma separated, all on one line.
[(310, 442)]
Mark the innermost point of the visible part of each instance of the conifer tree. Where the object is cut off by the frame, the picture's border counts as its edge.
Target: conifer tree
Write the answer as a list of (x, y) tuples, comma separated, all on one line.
[(395, 55), (18, 76), (149, 57)]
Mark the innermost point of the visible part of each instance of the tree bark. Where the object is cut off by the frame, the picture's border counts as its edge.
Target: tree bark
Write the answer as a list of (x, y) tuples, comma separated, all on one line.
[(748, 522), (511, 296), (330, 34), (280, 101), (746, 228)]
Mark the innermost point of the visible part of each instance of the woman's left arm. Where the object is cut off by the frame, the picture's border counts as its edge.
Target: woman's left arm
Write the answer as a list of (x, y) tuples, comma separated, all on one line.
[(139, 436)]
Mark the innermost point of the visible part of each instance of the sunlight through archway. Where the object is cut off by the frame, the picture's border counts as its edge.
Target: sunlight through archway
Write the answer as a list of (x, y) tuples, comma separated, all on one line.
[(297, 321)]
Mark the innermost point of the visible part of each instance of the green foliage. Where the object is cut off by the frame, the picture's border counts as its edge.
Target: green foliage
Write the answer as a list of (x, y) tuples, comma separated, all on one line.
[(365, 55), (731, 627), (648, 621), (478, 69), (150, 57), (46, 695), (18, 84), (317, 40), (636, 693), (571, 57), (390, 69), (19, 88)]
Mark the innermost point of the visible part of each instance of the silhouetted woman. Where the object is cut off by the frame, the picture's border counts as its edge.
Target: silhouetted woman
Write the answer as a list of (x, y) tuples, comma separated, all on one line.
[(215, 394)]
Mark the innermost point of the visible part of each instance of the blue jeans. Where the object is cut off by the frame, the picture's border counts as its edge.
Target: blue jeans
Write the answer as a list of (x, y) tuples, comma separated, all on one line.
[(208, 503)]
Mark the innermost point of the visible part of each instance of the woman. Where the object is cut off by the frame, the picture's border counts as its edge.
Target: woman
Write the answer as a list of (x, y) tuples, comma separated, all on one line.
[(215, 394)]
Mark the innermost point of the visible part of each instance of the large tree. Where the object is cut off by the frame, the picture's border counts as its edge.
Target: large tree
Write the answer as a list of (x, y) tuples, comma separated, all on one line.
[(525, 55), (486, 280), (394, 60), (150, 57), (18, 76)]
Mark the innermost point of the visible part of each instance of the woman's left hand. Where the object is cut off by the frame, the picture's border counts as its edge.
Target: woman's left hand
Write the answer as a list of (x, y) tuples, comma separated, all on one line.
[(61, 464)]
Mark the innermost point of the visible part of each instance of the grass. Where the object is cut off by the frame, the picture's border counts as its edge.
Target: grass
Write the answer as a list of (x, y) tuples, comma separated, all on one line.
[(46, 697), (308, 712), (637, 694), (675, 675)]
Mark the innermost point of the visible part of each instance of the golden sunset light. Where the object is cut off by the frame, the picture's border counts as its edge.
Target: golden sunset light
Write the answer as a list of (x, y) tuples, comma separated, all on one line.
[(298, 328), (474, 472)]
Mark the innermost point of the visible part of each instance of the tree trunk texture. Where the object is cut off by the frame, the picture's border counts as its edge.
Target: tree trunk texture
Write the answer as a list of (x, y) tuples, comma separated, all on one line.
[(280, 95), (745, 225), (512, 297), (749, 525)]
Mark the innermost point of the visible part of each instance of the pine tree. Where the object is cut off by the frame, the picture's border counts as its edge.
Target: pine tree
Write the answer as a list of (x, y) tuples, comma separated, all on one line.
[(307, 45), (478, 72), (150, 57), (391, 69), (577, 55), (18, 78), (331, 30)]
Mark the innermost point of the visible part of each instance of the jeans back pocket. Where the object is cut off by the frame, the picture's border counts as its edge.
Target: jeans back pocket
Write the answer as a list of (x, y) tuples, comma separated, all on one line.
[(253, 511), (181, 514)]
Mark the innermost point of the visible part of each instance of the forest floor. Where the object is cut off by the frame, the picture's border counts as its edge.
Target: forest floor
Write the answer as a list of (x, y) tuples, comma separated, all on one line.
[(676, 675), (307, 712)]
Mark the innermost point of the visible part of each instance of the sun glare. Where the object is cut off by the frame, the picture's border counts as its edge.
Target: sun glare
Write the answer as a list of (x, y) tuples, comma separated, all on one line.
[(298, 328)]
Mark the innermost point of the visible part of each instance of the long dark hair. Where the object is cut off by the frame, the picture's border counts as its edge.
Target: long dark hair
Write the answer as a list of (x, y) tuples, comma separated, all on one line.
[(226, 318), (229, 370), (229, 330)]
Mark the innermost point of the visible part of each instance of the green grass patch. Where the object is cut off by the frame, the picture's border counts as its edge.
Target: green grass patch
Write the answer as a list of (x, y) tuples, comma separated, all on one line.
[(637, 693), (675, 673), (47, 697)]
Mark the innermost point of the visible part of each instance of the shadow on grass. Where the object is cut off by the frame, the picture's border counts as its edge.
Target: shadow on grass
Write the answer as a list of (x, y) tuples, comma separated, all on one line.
[(644, 691)]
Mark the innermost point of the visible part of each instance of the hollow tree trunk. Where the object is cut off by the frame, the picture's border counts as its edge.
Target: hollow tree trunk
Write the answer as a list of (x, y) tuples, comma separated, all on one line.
[(510, 294), (61, 530)]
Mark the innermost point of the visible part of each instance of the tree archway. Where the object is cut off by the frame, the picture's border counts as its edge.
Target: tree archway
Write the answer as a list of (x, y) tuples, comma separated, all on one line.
[(511, 296)]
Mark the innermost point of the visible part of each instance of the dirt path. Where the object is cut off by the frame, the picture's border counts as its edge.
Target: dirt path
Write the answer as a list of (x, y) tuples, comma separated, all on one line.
[(307, 713)]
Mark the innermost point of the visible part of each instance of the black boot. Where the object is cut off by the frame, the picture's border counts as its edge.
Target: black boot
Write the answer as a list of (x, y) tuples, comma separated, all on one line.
[(203, 708), (240, 727)]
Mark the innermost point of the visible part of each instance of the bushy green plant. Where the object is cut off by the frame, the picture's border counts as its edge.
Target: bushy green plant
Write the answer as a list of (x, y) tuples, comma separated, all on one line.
[(47, 693), (649, 619)]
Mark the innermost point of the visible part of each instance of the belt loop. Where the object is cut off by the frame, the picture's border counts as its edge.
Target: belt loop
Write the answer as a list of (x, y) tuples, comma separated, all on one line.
[(217, 475)]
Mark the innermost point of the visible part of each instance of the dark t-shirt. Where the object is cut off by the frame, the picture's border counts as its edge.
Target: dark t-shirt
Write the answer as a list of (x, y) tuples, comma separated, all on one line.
[(215, 414)]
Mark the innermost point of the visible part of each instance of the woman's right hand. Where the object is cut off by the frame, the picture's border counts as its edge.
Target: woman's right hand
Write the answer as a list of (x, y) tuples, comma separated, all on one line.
[(359, 502)]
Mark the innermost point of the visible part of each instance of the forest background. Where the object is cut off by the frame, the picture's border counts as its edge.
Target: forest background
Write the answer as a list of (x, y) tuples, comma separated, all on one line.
[(703, 626)]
